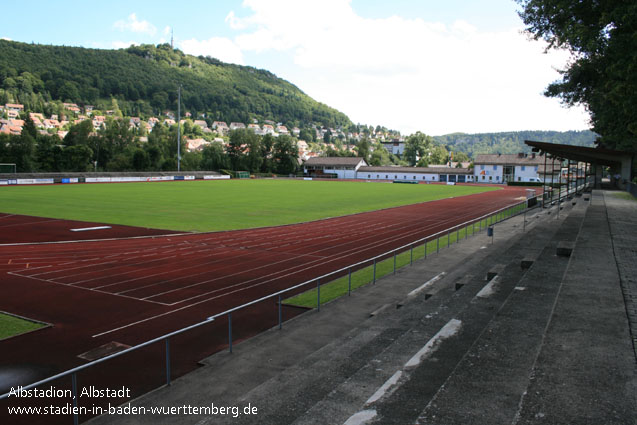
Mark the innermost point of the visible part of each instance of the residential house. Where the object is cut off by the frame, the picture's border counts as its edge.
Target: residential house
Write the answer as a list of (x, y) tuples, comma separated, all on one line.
[(98, 121), (281, 129), (296, 131), (196, 144), (51, 123), (72, 107), (201, 124), (16, 107), (237, 125), (396, 146), (220, 127), (153, 121)]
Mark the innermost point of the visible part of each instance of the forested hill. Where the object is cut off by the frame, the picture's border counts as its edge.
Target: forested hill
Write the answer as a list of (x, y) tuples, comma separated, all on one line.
[(511, 142), (144, 79)]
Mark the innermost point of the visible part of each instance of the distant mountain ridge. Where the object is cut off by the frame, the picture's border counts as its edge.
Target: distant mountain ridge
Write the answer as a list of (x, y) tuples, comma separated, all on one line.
[(512, 141), (143, 80)]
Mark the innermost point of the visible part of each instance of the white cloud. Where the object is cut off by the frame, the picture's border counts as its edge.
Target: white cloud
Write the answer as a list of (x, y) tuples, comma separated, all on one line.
[(133, 24), (407, 73), (6, 38), (221, 48)]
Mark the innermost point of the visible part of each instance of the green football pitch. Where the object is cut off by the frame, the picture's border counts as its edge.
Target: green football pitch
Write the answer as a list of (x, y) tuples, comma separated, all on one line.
[(217, 205)]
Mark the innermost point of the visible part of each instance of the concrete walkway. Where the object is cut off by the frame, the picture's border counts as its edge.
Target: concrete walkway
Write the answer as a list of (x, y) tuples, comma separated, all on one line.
[(547, 344)]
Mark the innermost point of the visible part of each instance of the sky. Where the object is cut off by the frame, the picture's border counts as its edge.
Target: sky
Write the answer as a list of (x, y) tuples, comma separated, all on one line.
[(410, 65)]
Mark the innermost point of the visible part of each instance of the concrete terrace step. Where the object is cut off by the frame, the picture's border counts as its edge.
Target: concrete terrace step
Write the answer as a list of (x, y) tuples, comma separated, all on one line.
[(495, 370), (324, 389)]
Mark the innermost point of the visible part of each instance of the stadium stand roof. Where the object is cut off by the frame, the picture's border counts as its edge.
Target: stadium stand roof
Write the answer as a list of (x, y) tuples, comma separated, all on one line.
[(620, 162)]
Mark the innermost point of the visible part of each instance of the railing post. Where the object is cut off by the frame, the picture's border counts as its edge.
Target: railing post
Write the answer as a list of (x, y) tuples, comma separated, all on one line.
[(411, 255), (438, 245), (425, 248), (318, 295), (394, 262), (280, 314), (524, 225), (349, 282), (75, 397), (448, 231), (374, 279), (230, 332), (167, 361)]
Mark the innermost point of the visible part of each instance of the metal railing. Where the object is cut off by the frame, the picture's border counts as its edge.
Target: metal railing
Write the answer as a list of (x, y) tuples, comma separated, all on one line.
[(489, 219)]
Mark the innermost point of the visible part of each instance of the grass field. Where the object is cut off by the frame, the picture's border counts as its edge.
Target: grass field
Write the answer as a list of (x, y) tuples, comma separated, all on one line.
[(11, 326), (217, 205)]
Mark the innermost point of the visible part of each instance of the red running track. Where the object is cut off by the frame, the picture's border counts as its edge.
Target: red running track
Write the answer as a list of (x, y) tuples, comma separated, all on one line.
[(132, 290)]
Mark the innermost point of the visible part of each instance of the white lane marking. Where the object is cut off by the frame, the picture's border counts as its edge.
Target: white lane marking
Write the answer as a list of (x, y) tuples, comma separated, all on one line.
[(361, 417), (85, 229), (427, 284), (386, 386), (450, 329), (489, 288)]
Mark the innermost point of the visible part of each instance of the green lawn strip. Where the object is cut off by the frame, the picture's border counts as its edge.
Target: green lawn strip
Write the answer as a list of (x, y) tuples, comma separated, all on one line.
[(340, 287), (625, 195), (11, 326), (217, 205)]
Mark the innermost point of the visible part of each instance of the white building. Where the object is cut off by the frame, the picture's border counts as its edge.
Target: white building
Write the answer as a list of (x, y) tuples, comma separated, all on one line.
[(417, 174), (499, 168), (395, 147), (341, 167)]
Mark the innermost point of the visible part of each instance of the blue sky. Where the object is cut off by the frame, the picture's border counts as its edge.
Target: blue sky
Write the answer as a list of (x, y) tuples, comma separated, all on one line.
[(433, 66)]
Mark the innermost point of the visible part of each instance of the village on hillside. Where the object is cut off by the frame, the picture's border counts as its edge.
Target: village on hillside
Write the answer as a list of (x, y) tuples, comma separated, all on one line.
[(12, 120)]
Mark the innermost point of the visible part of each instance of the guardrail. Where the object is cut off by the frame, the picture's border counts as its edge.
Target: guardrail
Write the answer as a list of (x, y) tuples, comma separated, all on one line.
[(443, 239)]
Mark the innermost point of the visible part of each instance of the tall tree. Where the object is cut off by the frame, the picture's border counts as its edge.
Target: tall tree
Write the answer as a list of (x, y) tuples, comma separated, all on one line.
[(284, 155), (362, 148), (415, 147), (602, 37)]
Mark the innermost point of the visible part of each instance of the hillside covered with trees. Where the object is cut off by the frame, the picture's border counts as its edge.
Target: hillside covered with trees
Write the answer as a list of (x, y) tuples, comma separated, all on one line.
[(511, 142), (144, 80)]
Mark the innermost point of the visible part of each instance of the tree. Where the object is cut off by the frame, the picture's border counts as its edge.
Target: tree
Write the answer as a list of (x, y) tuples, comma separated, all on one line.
[(439, 155), (77, 158), (362, 148), (267, 143), (601, 35), (29, 127), (416, 146), (284, 155), (213, 157), (79, 134), (140, 160)]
